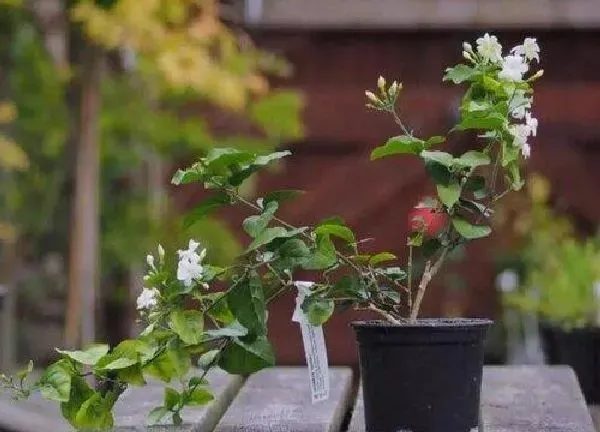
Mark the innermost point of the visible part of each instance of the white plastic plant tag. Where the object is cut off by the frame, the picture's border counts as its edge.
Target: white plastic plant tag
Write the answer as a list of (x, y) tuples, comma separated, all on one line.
[(597, 297), (314, 348)]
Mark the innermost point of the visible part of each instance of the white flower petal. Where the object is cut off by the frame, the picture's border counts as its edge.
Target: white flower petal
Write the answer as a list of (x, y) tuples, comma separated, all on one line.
[(489, 49)]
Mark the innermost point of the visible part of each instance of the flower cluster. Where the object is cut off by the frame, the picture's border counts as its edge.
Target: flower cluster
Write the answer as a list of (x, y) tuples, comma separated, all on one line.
[(190, 266), (189, 271), (511, 67)]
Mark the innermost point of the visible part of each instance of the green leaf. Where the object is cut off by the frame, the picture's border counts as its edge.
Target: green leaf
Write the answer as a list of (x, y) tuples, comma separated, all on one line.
[(247, 303), (460, 73), (156, 415), (469, 231), (442, 158), (318, 310), (171, 397), (80, 392), (200, 396), (339, 231), (449, 194), (390, 294), (120, 363), (55, 384), (324, 255), (182, 177), (281, 195), (173, 363), (402, 144), (260, 162), (294, 248), (348, 286), (480, 121), (234, 329), (95, 414), (196, 381), (206, 207), (434, 140), (270, 234), (219, 309), (256, 224), (24, 373), (381, 258), (89, 356), (416, 238), (207, 359), (395, 273), (439, 173), (132, 375), (473, 159), (188, 325), (241, 357)]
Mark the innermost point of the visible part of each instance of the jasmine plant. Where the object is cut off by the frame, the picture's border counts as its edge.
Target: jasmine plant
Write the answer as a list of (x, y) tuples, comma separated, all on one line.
[(227, 327)]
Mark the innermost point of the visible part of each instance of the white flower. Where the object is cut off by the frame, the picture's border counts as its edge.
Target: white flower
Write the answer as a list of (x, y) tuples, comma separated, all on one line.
[(190, 264), (489, 48), (513, 68), (150, 261), (531, 123), (190, 252), (520, 133), (519, 104), (161, 252), (530, 49), (148, 298)]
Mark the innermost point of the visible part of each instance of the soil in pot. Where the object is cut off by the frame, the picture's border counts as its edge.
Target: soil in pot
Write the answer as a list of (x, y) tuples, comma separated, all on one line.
[(423, 376), (580, 349)]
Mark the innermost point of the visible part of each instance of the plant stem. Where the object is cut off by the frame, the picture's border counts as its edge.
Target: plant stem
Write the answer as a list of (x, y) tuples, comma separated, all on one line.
[(409, 270), (428, 274), (398, 121)]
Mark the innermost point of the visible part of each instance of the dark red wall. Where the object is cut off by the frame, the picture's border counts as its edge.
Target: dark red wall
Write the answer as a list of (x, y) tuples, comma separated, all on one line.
[(334, 68)]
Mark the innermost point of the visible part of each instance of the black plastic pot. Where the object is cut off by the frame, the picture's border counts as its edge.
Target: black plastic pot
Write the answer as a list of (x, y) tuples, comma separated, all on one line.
[(580, 349), (421, 377)]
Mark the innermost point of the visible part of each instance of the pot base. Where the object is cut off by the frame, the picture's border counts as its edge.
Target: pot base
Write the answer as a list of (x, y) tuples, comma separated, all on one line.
[(423, 376)]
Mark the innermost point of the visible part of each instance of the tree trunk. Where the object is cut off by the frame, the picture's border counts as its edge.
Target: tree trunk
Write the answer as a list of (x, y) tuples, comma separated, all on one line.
[(84, 239)]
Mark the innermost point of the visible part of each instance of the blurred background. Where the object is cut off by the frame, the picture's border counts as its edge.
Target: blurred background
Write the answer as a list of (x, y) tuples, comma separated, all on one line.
[(101, 100)]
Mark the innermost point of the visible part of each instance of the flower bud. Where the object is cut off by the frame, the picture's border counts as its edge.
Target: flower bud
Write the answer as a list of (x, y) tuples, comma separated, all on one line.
[(537, 75), (371, 96), (161, 252), (381, 83), (150, 260), (467, 47), (393, 90), (467, 56)]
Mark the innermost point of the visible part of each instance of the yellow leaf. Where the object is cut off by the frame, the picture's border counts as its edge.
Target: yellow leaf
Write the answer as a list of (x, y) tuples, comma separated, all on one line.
[(11, 155), (7, 231), (8, 112)]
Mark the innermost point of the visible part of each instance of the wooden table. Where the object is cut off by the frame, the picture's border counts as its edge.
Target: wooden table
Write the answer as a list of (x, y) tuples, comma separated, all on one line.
[(514, 399)]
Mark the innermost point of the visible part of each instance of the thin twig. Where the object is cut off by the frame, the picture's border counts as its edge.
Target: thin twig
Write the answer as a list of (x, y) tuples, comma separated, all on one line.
[(409, 270), (428, 274)]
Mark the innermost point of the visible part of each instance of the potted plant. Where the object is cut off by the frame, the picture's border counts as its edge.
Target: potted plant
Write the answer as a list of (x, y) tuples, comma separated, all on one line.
[(561, 287), (418, 374)]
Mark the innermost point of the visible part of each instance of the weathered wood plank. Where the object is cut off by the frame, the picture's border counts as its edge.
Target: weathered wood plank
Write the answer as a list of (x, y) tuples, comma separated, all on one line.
[(34, 415), (278, 400), (523, 399), (533, 399), (131, 411)]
